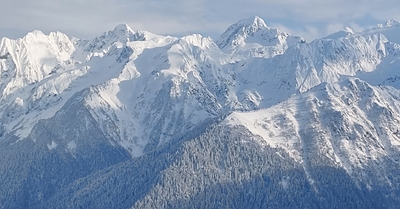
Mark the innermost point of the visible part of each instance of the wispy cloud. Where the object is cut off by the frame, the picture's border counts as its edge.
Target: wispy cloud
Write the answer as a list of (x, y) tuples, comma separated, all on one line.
[(87, 18)]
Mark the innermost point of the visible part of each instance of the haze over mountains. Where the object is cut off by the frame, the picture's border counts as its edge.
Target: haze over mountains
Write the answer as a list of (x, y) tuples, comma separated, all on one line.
[(256, 119)]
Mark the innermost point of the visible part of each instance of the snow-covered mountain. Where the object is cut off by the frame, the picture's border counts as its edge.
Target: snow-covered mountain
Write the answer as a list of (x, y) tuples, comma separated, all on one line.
[(251, 37), (257, 118)]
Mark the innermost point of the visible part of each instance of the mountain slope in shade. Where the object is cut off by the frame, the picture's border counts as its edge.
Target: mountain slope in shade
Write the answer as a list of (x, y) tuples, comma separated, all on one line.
[(257, 118)]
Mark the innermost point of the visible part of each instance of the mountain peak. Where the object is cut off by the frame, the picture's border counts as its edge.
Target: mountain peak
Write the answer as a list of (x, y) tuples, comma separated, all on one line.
[(248, 26), (240, 31), (123, 28), (36, 34), (388, 24), (392, 22), (349, 30), (254, 36), (390, 29), (252, 22), (346, 32), (123, 32)]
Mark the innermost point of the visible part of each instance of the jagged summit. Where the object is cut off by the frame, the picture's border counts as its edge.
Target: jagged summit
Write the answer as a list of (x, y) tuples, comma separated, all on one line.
[(125, 33), (251, 24), (122, 33), (392, 23), (346, 32), (34, 33), (124, 28), (241, 29), (391, 30), (254, 38)]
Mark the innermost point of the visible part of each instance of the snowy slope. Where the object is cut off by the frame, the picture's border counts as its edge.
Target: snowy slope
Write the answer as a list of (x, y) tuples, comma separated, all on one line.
[(190, 72), (265, 82), (348, 124), (34, 70), (139, 80), (329, 104), (165, 89)]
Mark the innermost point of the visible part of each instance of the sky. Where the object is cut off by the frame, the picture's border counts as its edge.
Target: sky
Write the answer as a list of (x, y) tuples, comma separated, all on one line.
[(87, 19)]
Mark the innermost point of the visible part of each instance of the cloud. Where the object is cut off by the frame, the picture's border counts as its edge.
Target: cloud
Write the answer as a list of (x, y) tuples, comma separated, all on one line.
[(88, 18)]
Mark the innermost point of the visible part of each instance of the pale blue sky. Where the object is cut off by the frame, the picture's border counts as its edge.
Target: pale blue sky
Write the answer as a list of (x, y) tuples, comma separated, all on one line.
[(89, 18)]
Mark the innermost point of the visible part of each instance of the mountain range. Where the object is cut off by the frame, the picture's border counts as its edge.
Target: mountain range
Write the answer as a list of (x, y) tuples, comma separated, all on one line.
[(258, 118)]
